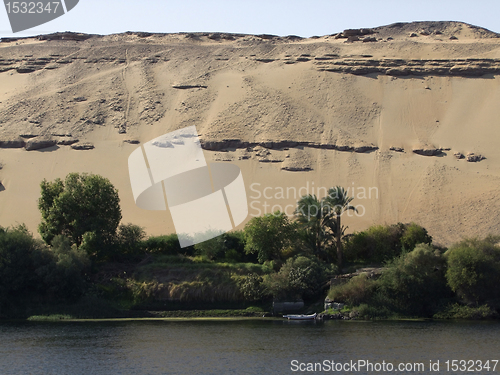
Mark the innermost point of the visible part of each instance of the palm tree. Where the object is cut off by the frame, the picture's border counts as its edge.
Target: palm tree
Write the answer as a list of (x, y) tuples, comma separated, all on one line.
[(337, 202), (314, 217)]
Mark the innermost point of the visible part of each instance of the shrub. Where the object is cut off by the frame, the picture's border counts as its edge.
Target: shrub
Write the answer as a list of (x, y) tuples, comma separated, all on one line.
[(366, 311), (306, 272), (36, 274), (129, 238), (228, 247), (251, 287), (234, 244), (377, 244), (474, 270), (457, 311), (17, 265), (165, 245), (382, 243), (211, 249), (98, 248), (298, 278), (414, 283), (72, 264), (357, 290), (414, 234)]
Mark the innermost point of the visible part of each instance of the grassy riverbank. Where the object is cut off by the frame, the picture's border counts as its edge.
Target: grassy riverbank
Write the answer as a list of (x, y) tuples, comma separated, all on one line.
[(250, 313)]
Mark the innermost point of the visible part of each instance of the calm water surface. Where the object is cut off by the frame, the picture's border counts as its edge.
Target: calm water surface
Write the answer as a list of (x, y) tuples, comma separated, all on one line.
[(236, 347)]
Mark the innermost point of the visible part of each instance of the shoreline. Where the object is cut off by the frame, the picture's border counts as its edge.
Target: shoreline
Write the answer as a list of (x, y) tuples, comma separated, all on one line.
[(191, 315), (235, 319)]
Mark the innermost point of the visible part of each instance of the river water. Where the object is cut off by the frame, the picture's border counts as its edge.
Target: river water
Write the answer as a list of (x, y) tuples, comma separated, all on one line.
[(192, 347)]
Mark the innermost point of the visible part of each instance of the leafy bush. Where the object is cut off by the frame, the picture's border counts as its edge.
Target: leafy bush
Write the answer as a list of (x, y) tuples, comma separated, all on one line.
[(211, 249), (366, 311), (381, 243), (228, 247), (414, 234), (37, 274), (234, 244), (457, 311), (72, 265), (414, 283), (251, 287), (129, 238), (376, 244), (474, 270), (357, 290), (98, 248), (298, 278), (17, 265), (165, 245)]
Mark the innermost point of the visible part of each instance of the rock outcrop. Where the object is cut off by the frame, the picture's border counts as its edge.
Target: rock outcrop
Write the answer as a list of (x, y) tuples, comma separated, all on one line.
[(297, 160), (421, 67), (82, 146), (473, 158), (187, 87), (428, 151), (225, 144), (15, 142), (349, 33), (66, 141), (39, 143), (397, 149)]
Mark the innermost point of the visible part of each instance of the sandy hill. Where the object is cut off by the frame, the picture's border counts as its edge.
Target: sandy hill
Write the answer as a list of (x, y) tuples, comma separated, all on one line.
[(406, 116)]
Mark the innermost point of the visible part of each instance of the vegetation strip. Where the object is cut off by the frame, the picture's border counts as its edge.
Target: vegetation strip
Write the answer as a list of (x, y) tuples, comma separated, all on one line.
[(91, 266)]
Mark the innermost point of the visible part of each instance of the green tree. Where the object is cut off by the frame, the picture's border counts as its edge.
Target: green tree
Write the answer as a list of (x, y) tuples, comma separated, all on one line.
[(381, 243), (234, 243), (414, 283), (130, 238), (82, 203), (65, 276), (166, 245), (316, 221), (229, 247), (474, 270), (414, 234), (212, 249), (32, 274), (338, 202), (18, 278), (269, 236), (299, 277)]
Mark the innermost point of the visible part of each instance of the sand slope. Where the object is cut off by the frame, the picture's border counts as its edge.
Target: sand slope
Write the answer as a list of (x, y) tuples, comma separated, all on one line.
[(292, 113)]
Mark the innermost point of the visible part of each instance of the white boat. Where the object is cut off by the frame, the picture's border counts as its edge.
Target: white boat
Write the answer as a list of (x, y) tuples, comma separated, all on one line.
[(300, 317)]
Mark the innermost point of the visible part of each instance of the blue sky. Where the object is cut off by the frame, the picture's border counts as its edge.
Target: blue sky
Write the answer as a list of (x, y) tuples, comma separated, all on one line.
[(280, 17)]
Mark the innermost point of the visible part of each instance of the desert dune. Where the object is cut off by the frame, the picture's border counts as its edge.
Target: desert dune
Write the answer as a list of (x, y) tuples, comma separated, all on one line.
[(405, 116)]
